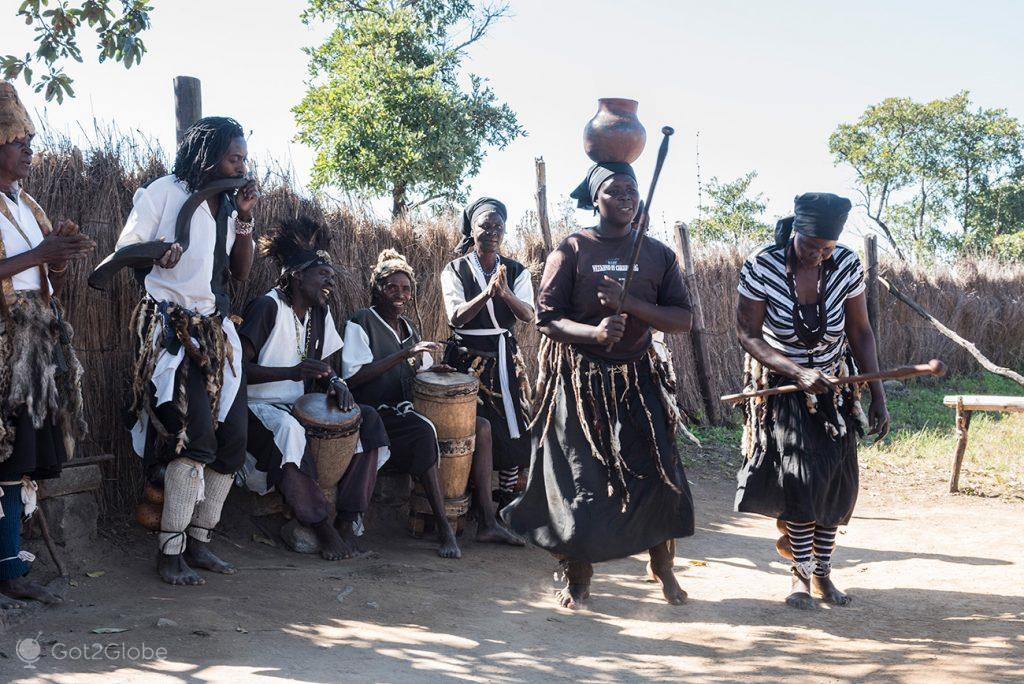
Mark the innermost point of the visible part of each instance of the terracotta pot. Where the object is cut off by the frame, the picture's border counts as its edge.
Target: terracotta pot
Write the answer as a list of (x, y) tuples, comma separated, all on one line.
[(153, 494), (615, 134)]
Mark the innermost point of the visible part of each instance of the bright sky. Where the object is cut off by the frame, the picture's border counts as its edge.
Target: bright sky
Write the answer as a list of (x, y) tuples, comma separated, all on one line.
[(764, 83)]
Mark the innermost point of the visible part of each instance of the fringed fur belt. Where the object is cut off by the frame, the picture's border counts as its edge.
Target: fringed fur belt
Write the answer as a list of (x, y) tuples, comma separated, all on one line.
[(163, 326), (39, 371), (597, 402), (756, 411)]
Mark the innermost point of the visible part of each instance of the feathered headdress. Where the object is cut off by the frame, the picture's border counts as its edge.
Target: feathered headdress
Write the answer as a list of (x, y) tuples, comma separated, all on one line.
[(14, 119), (296, 244)]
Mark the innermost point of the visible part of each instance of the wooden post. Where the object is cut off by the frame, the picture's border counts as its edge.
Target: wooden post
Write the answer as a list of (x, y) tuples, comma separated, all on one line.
[(963, 424), (542, 204), (188, 104), (871, 278), (700, 353)]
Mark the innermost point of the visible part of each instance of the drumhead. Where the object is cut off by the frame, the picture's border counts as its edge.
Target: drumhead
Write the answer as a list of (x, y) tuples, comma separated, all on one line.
[(316, 409), (445, 384)]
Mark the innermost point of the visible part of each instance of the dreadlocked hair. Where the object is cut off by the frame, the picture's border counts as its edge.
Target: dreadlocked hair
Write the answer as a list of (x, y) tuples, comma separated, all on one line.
[(204, 145)]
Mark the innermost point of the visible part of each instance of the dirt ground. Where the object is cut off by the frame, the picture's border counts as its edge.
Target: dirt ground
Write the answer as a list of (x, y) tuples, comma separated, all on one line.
[(937, 581)]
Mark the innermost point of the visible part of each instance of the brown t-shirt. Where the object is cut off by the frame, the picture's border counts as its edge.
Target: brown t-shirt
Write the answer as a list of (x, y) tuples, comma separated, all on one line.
[(568, 287)]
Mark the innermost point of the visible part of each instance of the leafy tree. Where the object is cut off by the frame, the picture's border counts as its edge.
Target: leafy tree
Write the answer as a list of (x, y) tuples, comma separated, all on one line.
[(731, 213), (56, 25), (388, 110)]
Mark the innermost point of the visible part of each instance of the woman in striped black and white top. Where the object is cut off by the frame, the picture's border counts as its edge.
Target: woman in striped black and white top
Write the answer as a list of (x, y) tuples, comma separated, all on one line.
[(802, 318)]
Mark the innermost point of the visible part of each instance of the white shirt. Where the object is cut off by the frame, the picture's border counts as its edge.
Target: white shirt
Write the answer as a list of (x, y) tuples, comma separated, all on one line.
[(454, 294), (15, 244), (154, 213), (282, 350)]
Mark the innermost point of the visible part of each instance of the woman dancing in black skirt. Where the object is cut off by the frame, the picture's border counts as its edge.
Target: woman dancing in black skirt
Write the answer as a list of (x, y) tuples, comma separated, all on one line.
[(802, 318), (605, 478)]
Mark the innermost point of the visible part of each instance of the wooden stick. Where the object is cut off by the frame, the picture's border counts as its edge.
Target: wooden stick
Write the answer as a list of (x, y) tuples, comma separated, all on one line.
[(963, 424), (701, 359), (969, 346), (542, 204), (45, 529), (933, 367)]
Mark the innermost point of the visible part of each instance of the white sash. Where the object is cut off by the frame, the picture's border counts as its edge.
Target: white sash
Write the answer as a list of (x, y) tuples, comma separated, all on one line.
[(503, 376)]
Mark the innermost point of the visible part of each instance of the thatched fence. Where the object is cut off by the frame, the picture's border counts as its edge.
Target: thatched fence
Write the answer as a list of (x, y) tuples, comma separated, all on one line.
[(983, 300)]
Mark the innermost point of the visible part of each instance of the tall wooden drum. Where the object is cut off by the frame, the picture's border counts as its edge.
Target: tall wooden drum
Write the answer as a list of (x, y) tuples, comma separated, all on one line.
[(448, 400), (331, 438)]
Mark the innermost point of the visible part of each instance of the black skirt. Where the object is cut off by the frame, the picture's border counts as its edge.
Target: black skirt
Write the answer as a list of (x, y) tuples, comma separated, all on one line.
[(40, 454), (508, 452), (798, 471), (572, 505)]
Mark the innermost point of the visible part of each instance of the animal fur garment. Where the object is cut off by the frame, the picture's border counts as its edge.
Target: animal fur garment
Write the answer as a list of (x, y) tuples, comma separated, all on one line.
[(206, 346), (597, 405), (296, 244), (39, 372)]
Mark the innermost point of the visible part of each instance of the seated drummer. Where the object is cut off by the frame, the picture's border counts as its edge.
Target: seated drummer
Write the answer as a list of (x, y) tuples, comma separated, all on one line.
[(382, 355), (288, 337)]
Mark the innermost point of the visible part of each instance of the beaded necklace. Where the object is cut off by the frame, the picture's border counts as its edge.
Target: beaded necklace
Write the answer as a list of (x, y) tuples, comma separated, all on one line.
[(302, 333), (487, 274)]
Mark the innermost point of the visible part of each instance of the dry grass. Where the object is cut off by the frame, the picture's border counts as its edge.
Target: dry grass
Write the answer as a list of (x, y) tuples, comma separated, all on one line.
[(981, 300)]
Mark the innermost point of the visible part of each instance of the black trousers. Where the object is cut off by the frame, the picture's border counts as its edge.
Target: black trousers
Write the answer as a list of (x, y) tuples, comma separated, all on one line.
[(220, 446)]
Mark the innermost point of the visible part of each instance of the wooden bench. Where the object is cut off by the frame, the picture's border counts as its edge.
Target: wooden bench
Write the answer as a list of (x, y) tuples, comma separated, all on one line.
[(966, 405)]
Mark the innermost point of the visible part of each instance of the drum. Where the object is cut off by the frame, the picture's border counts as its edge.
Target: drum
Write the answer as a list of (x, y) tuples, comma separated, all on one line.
[(331, 437), (449, 401)]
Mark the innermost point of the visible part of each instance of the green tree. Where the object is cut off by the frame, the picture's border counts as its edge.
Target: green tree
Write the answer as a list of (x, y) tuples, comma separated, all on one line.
[(731, 213), (57, 24), (388, 110)]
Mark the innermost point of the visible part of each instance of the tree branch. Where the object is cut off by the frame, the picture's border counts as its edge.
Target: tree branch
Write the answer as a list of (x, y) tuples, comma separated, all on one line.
[(422, 202), (356, 7), (479, 27)]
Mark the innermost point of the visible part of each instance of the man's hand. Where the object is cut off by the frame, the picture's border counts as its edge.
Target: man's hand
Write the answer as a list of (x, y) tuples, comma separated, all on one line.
[(339, 390), (611, 330), (311, 369), (171, 257), (58, 249), (609, 293), (245, 200)]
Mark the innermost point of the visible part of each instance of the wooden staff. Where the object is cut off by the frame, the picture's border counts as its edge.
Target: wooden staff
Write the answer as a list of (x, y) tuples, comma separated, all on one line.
[(933, 367), (645, 213)]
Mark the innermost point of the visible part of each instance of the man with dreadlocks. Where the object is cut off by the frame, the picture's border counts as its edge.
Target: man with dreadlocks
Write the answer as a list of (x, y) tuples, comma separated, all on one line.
[(382, 355), (40, 377), (290, 339), (189, 387), (605, 478)]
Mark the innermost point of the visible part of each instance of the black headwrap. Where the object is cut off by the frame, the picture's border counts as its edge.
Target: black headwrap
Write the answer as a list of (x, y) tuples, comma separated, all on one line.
[(816, 214), (481, 206), (302, 259), (586, 192)]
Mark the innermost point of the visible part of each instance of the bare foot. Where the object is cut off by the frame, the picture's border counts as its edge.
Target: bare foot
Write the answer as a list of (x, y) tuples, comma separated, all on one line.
[(660, 565), (800, 594), (23, 588), (494, 533), (825, 590), (332, 546), (449, 548), (198, 554), (174, 570), (346, 528), (8, 603), (573, 596)]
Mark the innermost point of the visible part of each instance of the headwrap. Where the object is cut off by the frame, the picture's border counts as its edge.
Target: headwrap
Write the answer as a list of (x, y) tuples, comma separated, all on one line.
[(816, 214), (389, 263), (469, 214), (14, 119), (586, 192), (300, 260)]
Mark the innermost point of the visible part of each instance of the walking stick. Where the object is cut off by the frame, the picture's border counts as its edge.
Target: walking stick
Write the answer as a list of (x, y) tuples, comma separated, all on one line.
[(933, 367), (645, 210)]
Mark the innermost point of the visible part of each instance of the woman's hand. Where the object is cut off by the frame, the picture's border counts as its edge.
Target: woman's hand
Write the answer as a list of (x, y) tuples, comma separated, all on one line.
[(609, 293), (610, 330), (57, 249), (498, 287), (311, 369), (878, 418), (424, 347), (813, 381)]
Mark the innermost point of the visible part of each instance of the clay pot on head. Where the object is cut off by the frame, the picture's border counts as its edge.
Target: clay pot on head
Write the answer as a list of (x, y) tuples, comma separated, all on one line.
[(615, 134)]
